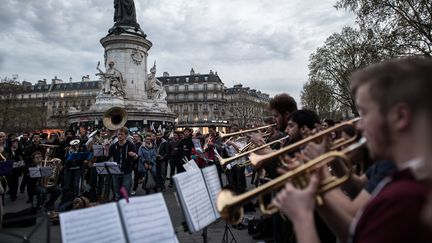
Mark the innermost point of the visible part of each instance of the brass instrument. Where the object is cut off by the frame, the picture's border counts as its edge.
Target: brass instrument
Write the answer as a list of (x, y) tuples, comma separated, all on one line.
[(54, 163), (52, 180), (225, 135), (73, 146), (342, 142), (250, 144), (225, 161), (115, 118), (230, 205), (259, 160)]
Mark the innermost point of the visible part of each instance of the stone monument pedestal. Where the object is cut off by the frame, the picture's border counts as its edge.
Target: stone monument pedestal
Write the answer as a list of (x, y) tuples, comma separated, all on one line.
[(126, 48)]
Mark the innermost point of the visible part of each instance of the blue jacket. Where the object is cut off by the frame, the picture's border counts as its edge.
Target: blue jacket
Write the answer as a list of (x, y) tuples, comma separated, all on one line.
[(147, 155)]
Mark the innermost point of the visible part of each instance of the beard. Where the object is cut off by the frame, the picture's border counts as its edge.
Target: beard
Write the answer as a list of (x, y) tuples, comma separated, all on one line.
[(380, 148)]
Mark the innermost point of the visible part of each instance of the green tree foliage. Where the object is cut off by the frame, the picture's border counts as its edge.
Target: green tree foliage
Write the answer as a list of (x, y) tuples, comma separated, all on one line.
[(406, 24), (316, 96), (333, 63)]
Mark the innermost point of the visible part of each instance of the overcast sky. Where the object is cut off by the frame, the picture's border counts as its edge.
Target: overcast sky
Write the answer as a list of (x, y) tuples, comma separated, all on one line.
[(263, 44)]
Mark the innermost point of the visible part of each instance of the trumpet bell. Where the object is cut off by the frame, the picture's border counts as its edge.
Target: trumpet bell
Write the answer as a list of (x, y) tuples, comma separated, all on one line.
[(115, 118), (74, 142), (231, 214)]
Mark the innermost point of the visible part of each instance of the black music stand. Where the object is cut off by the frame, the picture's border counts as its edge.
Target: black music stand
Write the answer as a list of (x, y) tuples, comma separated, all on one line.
[(227, 234), (108, 168)]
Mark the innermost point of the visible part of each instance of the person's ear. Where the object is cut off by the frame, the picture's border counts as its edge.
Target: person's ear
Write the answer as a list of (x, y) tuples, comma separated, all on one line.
[(400, 117), (304, 131)]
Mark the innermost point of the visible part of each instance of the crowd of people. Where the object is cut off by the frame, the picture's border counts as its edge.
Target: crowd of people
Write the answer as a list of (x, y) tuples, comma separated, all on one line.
[(148, 159), (387, 199)]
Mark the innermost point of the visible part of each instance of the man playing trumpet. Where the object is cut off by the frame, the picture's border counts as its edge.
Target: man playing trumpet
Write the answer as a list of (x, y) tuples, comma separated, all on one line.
[(387, 95)]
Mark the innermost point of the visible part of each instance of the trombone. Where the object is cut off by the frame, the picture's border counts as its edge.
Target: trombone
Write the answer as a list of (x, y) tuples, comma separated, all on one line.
[(225, 135), (230, 206), (225, 161), (258, 161)]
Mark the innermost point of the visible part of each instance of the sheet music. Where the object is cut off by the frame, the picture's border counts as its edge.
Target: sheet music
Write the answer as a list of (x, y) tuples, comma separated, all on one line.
[(34, 172), (212, 181), (46, 171), (195, 199), (100, 224), (146, 219), (197, 145), (113, 167), (190, 165)]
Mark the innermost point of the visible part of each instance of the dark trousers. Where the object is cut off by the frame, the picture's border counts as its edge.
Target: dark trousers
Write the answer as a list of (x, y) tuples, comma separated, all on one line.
[(54, 192), (24, 180), (92, 180), (236, 179), (179, 165), (137, 177), (172, 163), (71, 180), (13, 181), (161, 173)]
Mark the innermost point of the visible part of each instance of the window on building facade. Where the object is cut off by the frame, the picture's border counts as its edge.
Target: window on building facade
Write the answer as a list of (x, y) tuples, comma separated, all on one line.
[(187, 79), (177, 80), (205, 86), (176, 88)]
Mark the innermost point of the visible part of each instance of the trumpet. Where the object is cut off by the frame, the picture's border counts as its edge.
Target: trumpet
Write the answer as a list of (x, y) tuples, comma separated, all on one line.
[(258, 161), (225, 161), (230, 206), (225, 135)]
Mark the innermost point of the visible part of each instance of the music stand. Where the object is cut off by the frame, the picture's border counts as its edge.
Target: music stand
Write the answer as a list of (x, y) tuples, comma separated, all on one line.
[(226, 235), (36, 172), (108, 168)]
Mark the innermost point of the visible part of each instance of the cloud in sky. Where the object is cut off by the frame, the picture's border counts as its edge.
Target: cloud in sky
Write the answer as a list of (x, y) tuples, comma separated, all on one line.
[(264, 44)]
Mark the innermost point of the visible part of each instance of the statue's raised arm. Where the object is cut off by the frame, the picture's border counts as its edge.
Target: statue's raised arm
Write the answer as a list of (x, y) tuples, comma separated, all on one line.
[(101, 73)]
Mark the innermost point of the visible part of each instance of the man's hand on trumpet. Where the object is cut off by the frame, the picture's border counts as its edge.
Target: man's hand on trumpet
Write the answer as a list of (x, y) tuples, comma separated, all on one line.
[(298, 204), (313, 150)]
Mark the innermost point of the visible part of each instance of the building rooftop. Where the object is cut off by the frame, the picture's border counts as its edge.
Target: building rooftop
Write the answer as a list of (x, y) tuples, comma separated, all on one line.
[(253, 92), (185, 79), (40, 87)]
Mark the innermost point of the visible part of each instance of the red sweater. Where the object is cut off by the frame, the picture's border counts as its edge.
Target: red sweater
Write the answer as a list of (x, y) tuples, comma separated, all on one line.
[(394, 214)]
